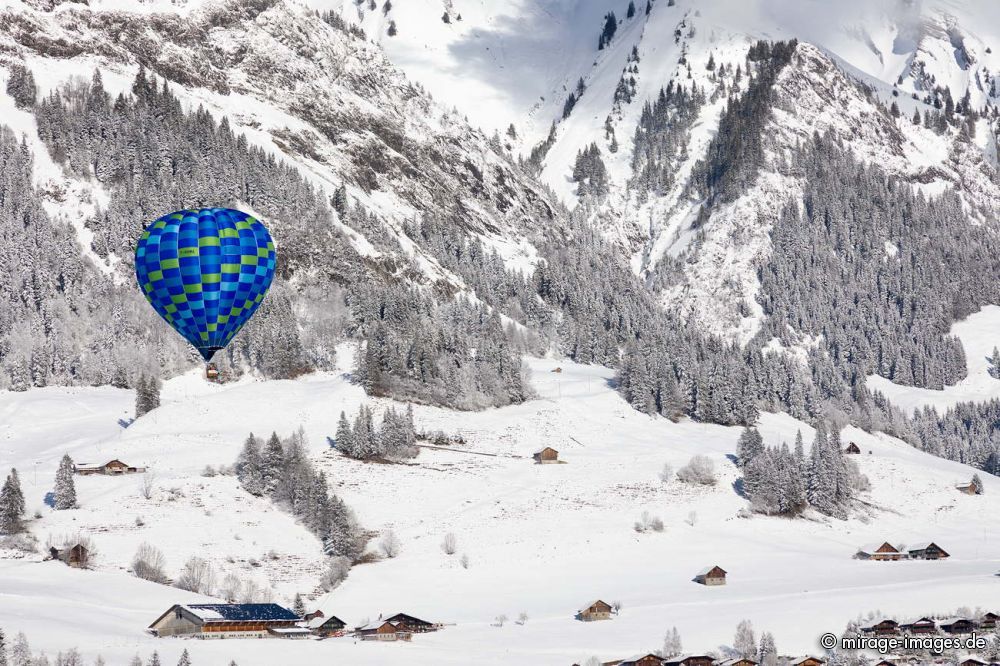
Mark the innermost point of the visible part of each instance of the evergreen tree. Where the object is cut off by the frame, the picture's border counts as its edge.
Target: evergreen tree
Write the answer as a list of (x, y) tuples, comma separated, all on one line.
[(299, 605), (185, 659), (750, 445), (608, 31), (12, 505), (20, 653), (250, 467), (767, 655), (344, 438), (65, 488), (21, 86), (154, 659)]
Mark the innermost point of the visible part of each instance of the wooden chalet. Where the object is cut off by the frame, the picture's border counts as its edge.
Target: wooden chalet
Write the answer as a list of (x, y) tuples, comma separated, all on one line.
[(321, 625), (972, 661), (959, 626), (926, 551), (211, 372), (597, 610), (714, 575), (412, 624), (970, 488), (227, 621), (76, 556), (642, 660), (882, 552), (807, 660), (882, 628), (111, 468), (546, 455), (737, 661), (383, 630), (852, 448), (990, 621), (689, 660), (924, 625)]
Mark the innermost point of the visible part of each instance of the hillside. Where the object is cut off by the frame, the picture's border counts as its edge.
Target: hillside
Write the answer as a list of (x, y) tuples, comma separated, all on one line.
[(795, 578)]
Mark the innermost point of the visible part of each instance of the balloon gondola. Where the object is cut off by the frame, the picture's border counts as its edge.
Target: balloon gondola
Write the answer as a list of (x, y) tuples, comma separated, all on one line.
[(205, 272)]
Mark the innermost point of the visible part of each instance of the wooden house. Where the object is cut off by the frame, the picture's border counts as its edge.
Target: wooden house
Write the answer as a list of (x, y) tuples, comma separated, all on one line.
[(971, 661), (924, 625), (321, 625), (597, 610), (882, 552), (546, 455), (76, 556), (926, 551), (383, 630), (990, 621), (211, 372), (737, 661), (111, 468), (689, 660), (412, 624), (807, 660), (882, 628), (852, 448), (642, 660), (714, 575), (959, 626), (970, 488), (225, 621)]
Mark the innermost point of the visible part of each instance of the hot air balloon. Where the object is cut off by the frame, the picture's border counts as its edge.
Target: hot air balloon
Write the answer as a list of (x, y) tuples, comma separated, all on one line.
[(205, 271)]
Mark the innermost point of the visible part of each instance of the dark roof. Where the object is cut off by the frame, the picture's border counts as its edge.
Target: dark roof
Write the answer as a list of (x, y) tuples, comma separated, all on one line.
[(407, 619), (243, 612)]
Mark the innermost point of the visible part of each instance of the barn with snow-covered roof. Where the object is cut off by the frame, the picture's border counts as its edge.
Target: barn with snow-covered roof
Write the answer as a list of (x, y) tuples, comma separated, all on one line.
[(225, 620)]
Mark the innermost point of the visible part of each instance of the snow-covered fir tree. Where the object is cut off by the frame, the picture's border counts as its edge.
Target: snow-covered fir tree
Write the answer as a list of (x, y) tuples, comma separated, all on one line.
[(65, 488)]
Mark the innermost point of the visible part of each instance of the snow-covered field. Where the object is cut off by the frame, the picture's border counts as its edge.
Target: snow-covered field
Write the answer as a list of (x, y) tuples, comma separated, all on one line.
[(542, 539), (980, 334)]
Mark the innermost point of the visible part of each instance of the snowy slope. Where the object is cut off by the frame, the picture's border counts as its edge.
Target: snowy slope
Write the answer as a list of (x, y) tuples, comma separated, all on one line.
[(315, 96), (535, 535), (899, 49), (980, 334)]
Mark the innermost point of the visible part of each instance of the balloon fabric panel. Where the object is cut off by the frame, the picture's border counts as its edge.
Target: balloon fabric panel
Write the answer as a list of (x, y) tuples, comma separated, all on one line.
[(205, 272)]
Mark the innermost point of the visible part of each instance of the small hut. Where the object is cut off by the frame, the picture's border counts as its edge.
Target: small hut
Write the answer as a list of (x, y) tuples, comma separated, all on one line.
[(714, 575), (597, 610), (546, 455), (852, 448), (76, 556)]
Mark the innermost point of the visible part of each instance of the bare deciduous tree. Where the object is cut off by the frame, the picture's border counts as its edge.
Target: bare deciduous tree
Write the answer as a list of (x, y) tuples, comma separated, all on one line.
[(389, 544), (148, 564)]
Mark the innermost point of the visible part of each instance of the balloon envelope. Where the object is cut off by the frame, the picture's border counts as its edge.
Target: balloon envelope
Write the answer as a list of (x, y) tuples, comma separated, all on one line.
[(205, 272)]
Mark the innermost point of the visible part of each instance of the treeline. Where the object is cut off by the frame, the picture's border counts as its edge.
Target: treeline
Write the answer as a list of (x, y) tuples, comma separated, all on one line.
[(282, 471), (454, 353), (394, 438), (661, 138), (780, 481)]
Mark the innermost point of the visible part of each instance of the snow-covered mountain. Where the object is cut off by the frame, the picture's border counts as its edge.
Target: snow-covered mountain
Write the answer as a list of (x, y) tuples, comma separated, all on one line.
[(855, 58)]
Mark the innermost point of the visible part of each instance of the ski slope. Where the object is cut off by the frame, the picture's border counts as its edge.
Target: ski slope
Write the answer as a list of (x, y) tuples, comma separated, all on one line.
[(542, 539)]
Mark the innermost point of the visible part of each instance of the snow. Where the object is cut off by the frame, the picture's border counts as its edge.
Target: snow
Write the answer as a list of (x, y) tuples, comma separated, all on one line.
[(979, 334), (535, 535)]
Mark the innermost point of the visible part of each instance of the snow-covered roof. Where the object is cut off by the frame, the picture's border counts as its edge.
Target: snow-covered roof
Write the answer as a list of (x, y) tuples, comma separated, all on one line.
[(241, 612), (923, 545), (735, 660), (319, 621), (289, 631), (371, 626), (597, 601), (708, 570), (873, 547)]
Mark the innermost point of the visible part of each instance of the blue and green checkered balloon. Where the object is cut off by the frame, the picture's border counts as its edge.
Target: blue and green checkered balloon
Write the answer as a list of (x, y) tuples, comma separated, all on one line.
[(205, 272)]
